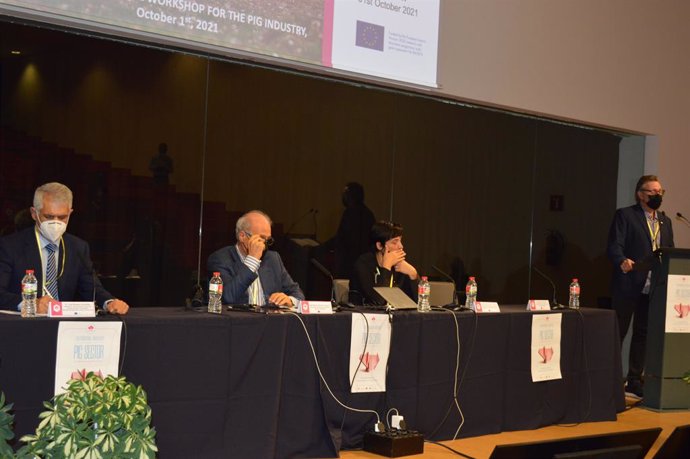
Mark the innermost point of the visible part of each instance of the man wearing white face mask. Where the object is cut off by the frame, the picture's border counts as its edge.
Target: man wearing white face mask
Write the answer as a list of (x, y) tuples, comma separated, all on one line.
[(61, 261)]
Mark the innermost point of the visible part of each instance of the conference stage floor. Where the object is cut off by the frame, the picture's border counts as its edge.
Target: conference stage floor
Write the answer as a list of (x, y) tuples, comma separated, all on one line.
[(482, 446)]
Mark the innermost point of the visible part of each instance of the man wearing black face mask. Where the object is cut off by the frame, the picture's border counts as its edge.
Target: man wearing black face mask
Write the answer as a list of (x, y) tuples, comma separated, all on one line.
[(636, 232)]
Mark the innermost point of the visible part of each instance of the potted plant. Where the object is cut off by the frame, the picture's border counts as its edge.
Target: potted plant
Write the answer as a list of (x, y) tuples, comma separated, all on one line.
[(5, 428), (95, 418)]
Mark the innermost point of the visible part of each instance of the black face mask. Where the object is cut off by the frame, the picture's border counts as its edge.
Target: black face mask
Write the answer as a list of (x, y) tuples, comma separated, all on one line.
[(654, 201)]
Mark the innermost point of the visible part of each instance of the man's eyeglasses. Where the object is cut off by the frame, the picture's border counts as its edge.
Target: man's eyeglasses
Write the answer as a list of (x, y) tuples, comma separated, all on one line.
[(267, 240), (653, 192)]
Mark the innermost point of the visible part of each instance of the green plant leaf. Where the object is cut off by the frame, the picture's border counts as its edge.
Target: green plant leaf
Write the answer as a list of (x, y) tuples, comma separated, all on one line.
[(6, 432), (95, 418)]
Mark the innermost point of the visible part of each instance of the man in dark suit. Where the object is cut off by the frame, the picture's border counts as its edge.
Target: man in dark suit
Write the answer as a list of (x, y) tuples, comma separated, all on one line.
[(45, 247), (252, 274), (635, 232)]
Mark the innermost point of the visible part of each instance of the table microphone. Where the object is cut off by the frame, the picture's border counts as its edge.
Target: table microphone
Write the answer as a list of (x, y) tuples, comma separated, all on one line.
[(454, 305), (197, 299), (327, 273), (556, 305)]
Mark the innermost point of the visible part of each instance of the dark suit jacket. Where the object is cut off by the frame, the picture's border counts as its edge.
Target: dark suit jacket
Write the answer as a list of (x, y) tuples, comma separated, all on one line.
[(629, 237), (352, 239), (19, 252), (237, 277)]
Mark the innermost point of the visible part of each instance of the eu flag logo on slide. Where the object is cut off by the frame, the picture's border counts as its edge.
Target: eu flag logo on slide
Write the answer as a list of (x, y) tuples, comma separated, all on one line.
[(369, 36)]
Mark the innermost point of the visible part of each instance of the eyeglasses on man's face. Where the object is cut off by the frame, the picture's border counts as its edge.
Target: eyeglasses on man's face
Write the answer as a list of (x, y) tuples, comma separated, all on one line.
[(267, 240), (659, 191)]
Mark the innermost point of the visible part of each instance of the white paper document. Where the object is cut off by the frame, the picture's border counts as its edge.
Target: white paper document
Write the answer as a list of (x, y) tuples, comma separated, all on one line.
[(86, 346), (678, 304), (369, 348), (546, 347)]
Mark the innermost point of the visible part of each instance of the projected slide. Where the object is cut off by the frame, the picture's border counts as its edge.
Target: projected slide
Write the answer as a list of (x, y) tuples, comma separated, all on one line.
[(394, 39), (391, 38)]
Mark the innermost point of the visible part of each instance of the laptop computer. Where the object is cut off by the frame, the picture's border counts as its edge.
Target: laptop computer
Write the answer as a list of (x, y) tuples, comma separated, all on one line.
[(396, 297)]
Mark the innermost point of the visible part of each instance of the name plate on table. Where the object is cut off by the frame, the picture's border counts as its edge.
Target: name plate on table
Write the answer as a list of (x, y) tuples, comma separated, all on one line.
[(538, 305), (315, 307), (71, 309), (486, 306)]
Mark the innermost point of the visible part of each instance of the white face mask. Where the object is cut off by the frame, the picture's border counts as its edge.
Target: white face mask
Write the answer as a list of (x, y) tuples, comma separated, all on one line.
[(52, 230)]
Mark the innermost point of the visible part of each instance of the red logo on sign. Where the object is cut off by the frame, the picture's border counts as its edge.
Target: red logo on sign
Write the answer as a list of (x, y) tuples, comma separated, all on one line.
[(546, 353), (682, 309), (55, 308)]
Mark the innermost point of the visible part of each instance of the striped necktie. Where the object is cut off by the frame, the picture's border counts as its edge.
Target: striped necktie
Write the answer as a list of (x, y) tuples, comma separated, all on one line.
[(51, 272), (256, 294)]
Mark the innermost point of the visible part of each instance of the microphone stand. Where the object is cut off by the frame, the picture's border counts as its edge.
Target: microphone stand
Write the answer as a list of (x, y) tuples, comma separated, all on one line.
[(681, 217), (556, 305), (337, 304), (328, 274), (301, 217), (454, 305)]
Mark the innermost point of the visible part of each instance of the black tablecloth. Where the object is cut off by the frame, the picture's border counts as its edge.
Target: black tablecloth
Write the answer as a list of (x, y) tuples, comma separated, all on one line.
[(245, 385)]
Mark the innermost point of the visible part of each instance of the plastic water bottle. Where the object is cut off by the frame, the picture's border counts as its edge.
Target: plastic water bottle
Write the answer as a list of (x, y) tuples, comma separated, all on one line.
[(574, 299), (29, 292), (423, 293), (471, 294), (215, 293)]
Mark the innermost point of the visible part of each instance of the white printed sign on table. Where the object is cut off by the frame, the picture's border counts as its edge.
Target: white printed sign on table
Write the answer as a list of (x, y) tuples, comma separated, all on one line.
[(369, 348), (546, 347), (678, 304), (84, 347)]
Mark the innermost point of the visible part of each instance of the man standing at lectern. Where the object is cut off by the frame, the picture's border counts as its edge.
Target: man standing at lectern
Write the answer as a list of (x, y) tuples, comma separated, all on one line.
[(635, 233)]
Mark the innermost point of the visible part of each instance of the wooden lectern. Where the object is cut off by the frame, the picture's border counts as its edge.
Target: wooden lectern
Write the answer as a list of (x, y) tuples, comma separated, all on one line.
[(668, 354)]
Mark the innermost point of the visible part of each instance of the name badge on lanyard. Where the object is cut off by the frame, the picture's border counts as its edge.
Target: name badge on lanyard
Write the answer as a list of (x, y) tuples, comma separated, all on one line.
[(654, 234)]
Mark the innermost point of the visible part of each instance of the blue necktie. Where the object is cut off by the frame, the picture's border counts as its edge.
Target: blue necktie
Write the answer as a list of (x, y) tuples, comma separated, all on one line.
[(51, 272)]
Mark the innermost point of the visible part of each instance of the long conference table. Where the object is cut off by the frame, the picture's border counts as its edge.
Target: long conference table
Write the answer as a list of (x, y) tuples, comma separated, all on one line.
[(244, 385)]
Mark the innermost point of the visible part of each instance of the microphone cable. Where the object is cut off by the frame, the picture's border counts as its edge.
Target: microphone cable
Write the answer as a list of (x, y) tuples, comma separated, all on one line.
[(457, 383), (124, 345), (323, 379), (448, 448), (359, 365)]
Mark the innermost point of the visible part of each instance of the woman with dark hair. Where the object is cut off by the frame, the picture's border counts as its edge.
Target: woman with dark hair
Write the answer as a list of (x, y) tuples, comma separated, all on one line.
[(383, 266)]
